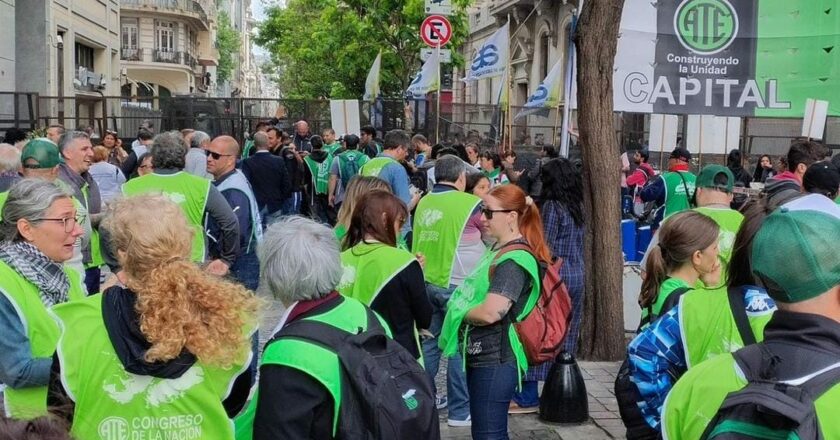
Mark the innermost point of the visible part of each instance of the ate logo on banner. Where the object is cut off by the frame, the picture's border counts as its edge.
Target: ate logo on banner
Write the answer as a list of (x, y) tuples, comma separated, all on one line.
[(487, 57), (539, 95), (706, 26)]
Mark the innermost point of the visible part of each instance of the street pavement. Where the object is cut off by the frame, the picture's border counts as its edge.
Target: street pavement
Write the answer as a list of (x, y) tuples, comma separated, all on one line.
[(604, 423)]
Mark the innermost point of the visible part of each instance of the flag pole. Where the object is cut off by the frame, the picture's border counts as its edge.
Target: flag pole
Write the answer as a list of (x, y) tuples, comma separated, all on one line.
[(437, 111), (567, 91), (509, 85)]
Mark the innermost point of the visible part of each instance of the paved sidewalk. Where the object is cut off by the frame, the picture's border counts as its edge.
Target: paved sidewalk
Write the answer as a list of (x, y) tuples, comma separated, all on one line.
[(604, 423)]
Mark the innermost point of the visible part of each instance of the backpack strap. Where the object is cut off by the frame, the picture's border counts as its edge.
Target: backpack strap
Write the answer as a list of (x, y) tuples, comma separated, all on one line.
[(685, 186), (509, 248), (670, 302), (739, 312), (822, 382), (753, 358)]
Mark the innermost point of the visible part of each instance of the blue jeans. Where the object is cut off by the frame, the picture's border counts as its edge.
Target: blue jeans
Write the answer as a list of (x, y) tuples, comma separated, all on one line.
[(529, 397), (491, 389), (291, 206), (456, 381), (246, 270)]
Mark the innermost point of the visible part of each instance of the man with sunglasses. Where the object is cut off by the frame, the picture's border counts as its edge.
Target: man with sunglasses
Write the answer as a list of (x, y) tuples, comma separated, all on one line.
[(234, 186)]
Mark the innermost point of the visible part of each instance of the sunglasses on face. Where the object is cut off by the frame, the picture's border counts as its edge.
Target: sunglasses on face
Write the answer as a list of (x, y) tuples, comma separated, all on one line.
[(488, 213), (215, 156)]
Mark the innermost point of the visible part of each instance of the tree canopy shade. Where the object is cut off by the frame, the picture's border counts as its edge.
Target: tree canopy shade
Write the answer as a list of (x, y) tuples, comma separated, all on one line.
[(324, 48)]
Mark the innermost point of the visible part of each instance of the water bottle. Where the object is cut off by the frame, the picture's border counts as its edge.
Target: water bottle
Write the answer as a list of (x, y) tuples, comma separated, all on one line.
[(564, 398)]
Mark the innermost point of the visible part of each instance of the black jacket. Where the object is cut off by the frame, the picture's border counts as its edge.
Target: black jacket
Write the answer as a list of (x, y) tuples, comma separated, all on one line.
[(269, 179)]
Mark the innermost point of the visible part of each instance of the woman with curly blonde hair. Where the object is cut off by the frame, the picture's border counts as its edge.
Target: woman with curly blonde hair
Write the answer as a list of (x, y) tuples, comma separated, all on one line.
[(164, 355)]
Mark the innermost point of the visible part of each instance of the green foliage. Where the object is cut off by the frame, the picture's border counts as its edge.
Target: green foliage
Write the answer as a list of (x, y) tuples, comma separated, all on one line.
[(324, 48), (228, 42)]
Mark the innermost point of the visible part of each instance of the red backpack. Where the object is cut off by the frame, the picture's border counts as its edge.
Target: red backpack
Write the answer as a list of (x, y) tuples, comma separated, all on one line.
[(542, 332)]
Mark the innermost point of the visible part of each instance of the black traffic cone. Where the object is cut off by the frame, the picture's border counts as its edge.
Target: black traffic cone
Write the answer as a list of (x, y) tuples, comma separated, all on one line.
[(564, 398)]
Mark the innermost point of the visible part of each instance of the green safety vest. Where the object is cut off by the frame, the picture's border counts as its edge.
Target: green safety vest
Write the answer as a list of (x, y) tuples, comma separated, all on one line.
[(340, 232), (96, 258), (496, 177), (320, 173), (676, 199), (729, 221), (3, 196), (42, 331), (112, 403), (698, 395), (708, 327), (332, 148), (347, 157), (368, 267), (321, 363), (187, 191), (375, 166), (473, 292), (665, 289), (246, 150), (439, 223)]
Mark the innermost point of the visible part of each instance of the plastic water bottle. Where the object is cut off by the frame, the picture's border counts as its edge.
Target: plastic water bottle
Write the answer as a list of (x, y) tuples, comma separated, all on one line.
[(564, 398)]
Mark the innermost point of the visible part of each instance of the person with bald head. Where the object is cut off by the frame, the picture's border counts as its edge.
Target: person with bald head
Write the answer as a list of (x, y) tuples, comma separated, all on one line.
[(232, 183), (301, 137)]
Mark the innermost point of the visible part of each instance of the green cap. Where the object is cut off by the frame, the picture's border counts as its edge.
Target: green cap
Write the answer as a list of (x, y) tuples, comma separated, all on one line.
[(40, 153), (707, 177), (794, 256)]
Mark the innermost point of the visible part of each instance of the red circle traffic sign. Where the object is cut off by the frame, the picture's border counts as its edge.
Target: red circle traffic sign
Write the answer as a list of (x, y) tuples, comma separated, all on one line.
[(435, 30)]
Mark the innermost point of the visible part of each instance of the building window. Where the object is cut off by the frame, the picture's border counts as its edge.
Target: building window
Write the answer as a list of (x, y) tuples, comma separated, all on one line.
[(129, 35), (545, 49), (84, 56), (165, 38)]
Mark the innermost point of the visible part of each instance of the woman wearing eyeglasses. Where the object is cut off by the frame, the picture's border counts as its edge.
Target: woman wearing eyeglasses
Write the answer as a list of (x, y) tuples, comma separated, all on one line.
[(37, 234), (482, 310), (381, 275)]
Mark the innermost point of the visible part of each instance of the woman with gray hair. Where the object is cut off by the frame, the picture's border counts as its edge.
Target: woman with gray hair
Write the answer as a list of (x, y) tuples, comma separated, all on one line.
[(300, 391), (39, 228)]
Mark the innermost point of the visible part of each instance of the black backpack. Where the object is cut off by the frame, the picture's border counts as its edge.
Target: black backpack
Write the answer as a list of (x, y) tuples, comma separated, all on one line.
[(770, 409), (386, 394)]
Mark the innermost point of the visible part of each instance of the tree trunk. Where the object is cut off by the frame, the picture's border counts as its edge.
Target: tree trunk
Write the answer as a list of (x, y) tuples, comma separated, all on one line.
[(603, 321)]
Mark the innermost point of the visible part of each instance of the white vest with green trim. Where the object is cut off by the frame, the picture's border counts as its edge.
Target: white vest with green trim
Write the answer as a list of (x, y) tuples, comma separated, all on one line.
[(439, 223), (111, 403), (187, 191), (42, 331)]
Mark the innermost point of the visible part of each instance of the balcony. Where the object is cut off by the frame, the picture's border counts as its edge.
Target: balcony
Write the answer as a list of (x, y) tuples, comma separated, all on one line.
[(131, 54), (165, 56), (88, 81), (198, 10)]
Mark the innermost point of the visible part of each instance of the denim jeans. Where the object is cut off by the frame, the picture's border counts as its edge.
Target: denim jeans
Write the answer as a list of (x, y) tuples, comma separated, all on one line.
[(491, 389), (529, 397), (246, 270), (291, 206), (456, 381)]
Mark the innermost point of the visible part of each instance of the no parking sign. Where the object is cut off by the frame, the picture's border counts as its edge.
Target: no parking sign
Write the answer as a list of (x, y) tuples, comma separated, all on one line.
[(435, 30)]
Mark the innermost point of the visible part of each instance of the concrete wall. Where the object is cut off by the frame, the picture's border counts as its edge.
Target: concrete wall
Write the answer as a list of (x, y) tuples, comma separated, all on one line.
[(7, 45)]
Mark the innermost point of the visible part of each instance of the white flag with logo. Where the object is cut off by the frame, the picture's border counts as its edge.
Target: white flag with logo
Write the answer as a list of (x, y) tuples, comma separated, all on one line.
[(428, 80), (372, 81), (491, 59), (547, 95)]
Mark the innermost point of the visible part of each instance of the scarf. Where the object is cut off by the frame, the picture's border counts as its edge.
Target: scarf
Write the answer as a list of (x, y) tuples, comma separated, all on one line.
[(47, 275)]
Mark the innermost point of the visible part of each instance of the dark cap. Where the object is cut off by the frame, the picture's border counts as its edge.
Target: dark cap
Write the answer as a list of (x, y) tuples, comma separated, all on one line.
[(822, 178), (682, 154), (710, 178)]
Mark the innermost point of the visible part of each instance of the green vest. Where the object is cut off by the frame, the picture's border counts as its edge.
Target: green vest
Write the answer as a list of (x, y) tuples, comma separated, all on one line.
[(729, 221), (96, 258), (340, 232), (676, 199), (318, 362), (3, 197), (332, 148), (665, 289), (697, 396), (368, 267), (42, 331), (473, 292), (188, 191), (246, 150), (375, 166), (496, 177), (708, 327), (439, 223), (112, 403), (347, 157), (320, 173)]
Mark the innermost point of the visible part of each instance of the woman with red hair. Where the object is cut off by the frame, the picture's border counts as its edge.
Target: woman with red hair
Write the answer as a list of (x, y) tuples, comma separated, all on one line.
[(479, 320)]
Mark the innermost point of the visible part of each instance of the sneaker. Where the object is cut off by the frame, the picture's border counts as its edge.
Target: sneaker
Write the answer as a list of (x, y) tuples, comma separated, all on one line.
[(514, 408), (441, 402), (460, 423)]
